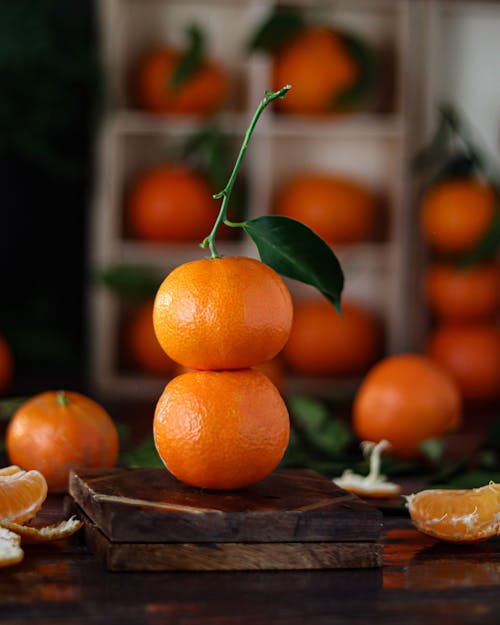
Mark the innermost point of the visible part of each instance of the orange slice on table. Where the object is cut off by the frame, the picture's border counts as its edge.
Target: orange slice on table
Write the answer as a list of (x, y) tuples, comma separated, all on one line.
[(463, 516), (22, 493)]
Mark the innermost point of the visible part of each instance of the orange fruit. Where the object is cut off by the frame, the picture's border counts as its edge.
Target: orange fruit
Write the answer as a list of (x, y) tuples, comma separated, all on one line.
[(171, 203), (222, 313), (56, 431), (471, 354), (22, 494), (142, 345), (6, 365), (338, 210), (323, 343), (455, 214), (464, 294), (201, 94), (221, 429), (406, 399), (318, 66), (462, 516)]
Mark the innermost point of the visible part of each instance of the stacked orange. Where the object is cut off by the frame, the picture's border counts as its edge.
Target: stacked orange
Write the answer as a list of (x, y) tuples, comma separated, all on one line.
[(223, 425), (465, 301)]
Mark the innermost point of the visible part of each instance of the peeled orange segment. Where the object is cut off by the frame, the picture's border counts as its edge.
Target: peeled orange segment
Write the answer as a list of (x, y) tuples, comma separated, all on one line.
[(457, 515), (10, 550), (10, 470), (374, 484), (30, 535), (22, 494)]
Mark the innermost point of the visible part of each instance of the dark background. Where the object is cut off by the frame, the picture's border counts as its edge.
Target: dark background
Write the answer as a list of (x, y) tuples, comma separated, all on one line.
[(51, 97)]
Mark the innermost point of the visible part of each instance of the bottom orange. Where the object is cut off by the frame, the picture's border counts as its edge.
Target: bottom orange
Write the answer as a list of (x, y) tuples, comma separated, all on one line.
[(221, 429)]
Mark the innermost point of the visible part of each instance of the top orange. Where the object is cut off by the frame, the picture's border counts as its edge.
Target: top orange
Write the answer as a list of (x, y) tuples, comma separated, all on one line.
[(320, 68), (201, 94), (337, 209), (456, 214), (222, 313)]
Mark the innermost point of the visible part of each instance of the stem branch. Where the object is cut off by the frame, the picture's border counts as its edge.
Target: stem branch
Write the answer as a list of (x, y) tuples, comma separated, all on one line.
[(226, 191)]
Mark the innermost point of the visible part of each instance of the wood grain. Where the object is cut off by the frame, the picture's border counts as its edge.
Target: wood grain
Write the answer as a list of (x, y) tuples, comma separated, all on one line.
[(151, 506), (231, 556)]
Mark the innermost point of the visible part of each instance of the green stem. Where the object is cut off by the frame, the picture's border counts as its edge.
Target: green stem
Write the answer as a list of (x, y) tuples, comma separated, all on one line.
[(62, 399), (226, 192)]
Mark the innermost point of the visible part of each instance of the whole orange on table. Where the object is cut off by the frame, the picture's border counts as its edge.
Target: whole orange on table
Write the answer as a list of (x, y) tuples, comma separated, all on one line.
[(323, 343), (455, 214), (202, 93), (320, 67), (338, 209), (171, 203), (406, 399), (221, 429), (469, 293), (57, 431), (470, 352), (222, 313)]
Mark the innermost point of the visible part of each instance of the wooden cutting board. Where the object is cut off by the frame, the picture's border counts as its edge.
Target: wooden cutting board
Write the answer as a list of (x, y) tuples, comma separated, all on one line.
[(144, 519)]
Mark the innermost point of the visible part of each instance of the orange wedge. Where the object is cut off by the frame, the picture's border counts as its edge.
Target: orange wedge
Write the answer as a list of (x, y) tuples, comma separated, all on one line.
[(461, 516), (22, 493)]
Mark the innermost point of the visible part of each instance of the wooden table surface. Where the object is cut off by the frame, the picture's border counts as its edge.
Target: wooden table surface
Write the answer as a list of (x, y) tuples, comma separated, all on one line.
[(422, 581)]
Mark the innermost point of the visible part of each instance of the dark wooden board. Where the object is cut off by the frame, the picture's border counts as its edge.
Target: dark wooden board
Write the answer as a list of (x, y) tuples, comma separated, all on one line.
[(292, 505), (117, 556)]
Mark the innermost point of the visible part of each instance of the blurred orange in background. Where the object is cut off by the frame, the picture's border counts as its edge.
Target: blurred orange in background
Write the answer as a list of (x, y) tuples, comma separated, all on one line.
[(6, 365), (171, 203), (471, 354), (141, 344), (339, 210), (406, 399), (298, 63), (323, 343), (171, 80), (456, 213), (463, 293)]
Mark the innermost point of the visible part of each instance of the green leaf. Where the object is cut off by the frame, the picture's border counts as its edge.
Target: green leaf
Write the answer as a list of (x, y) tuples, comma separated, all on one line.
[(295, 251), (474, 478), (276, 30), (191, 60), (132, 281), (319, 427), (142, 456), (368, 73)]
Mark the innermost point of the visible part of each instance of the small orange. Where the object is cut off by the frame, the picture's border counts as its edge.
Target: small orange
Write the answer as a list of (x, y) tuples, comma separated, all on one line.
[(406, 399), (201, 94), (22, 494), (471, 354), (6, 365), (56, 431), (337, 209), (323, 343), (222, 313), (171, 203), (455, 214), (142, 345), (461, 516), (318, 65), (464, 294), (221, 429)]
